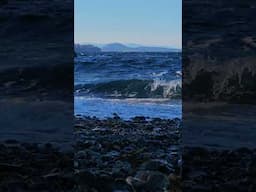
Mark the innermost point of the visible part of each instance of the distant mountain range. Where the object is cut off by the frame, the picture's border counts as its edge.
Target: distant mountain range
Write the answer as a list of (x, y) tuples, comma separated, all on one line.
[(118, 47)]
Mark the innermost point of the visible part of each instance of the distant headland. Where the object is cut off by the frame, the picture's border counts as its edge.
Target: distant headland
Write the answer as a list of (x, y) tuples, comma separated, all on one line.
[(119, 47)]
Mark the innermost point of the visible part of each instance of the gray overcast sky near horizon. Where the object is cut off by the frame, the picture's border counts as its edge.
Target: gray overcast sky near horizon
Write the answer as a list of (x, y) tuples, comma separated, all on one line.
[(145, 22)]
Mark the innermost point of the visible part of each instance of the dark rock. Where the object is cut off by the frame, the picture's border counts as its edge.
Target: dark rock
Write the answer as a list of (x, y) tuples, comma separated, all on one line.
[(139, 119), (150, 181), (157, 165)]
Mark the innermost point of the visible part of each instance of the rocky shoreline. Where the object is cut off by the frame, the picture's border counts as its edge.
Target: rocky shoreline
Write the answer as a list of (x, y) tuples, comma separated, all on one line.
[(35, 167), (127, 155), (138, 155), (219, 170), (144, 155)]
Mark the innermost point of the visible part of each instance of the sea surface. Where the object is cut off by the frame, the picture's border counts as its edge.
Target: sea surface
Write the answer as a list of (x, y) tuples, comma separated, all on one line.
[(128, 84)]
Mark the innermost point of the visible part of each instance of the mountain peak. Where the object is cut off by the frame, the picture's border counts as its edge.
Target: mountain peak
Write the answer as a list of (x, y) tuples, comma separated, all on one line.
[(114, 46)]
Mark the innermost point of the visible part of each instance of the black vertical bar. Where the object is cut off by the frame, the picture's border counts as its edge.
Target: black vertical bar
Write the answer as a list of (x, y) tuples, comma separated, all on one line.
[(36, 95), (219, 92)]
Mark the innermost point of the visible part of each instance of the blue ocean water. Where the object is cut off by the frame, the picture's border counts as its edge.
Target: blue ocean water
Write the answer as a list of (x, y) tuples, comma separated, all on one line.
[(128, 84)]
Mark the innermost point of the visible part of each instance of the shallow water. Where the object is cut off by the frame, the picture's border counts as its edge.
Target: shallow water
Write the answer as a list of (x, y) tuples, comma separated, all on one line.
[(127, 108)]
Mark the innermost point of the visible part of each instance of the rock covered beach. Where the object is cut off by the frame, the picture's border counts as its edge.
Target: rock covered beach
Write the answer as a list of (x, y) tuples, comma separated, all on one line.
[(142, 155), (127, 155), (115, 155), (110, 155)]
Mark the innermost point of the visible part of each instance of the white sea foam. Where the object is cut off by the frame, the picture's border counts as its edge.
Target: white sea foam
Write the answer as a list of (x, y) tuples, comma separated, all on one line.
[(170, 88), (160, 74), (179, 73)]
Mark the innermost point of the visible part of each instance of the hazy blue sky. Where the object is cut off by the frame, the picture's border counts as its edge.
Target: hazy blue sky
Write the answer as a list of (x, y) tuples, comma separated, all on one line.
[(147, 22)]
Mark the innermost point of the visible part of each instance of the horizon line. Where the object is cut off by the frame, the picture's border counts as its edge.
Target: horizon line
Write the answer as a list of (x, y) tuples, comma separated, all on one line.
[(127, 44)]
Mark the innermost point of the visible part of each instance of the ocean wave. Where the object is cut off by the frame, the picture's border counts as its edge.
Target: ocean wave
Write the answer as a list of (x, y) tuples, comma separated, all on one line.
[(134, 88)]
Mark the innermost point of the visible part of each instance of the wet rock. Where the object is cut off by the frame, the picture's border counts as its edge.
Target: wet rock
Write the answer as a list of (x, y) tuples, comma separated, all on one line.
[(176, 182), (150, 181), (112, 154), (116, 116), (157, 165), (121, 167), (100, 129), (120, 185), (139, 119)]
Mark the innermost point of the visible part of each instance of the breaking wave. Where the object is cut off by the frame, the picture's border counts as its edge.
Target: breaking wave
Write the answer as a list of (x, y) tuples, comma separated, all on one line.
[(134, 88)]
